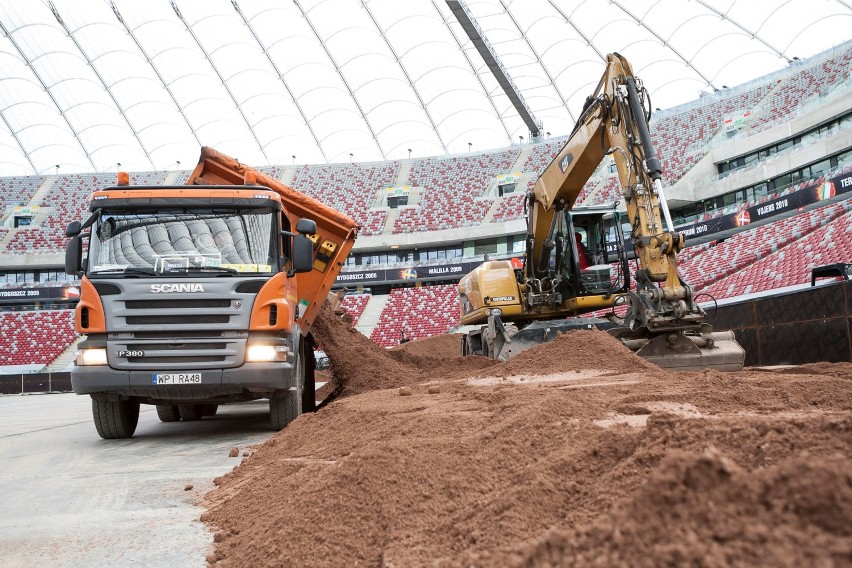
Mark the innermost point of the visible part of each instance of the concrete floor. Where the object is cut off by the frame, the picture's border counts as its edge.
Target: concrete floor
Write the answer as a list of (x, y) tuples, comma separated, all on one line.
[(69, 498)]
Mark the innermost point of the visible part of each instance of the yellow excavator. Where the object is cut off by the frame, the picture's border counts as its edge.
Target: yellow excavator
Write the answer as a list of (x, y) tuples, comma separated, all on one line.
[(576, 259)]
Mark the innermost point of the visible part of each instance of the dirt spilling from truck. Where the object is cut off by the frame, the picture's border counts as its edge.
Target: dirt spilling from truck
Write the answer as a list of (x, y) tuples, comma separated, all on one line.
[(578, 454)]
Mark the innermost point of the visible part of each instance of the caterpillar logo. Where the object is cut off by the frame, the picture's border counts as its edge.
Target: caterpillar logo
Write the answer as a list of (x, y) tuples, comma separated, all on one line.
[(172, 288), (565, 161)]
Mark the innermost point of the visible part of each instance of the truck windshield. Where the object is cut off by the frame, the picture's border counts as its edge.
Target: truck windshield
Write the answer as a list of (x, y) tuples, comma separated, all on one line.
[(180, 241)]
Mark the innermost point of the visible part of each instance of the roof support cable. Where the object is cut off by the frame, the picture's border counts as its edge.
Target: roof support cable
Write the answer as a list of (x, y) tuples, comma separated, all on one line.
[(21, 146), (488, 96), (586, 39), (667, 44), (342, 78), (221, 79), (155, 70), (407, 76), (280, 76), (752, 34), (48, 92), (106, 87)]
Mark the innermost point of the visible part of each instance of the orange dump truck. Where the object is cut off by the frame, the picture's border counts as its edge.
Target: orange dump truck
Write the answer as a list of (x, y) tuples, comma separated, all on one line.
[(202, 294)]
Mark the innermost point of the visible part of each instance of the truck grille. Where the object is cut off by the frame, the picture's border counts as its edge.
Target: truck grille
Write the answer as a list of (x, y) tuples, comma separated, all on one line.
[(179, 333), (183, 350)]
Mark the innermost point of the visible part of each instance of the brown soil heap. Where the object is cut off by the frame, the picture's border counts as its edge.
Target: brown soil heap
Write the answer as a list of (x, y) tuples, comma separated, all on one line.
[(574, 453)]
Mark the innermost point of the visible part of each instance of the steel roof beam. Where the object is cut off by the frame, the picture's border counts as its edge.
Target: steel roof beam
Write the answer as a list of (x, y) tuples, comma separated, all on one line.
[(475, 74), (473, 31)]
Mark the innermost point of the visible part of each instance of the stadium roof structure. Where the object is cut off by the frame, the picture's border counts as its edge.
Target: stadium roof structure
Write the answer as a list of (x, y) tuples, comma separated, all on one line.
[(91, 84)]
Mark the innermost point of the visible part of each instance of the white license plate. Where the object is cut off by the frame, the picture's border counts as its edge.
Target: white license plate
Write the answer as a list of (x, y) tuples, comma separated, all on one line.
[(176, 378)]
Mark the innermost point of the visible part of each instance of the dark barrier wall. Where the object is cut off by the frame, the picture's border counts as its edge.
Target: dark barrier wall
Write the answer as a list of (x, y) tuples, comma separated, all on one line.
[(35, 382), (806, 326)]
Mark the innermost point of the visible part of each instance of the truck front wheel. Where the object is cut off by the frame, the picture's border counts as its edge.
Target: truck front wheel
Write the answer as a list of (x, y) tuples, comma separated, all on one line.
[(285, 406), (115, 418)]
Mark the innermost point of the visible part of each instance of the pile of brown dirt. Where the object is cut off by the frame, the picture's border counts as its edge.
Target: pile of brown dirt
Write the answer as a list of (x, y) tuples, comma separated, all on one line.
[(438, 347), (576, 350), (358, 365), (748, 468)]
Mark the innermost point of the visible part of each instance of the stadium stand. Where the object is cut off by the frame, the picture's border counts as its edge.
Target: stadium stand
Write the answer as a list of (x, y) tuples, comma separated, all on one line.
[(800, 87), (66, 201), (708, 271), (351, 188), (509, 207), (35, 337), (791, 264), (452, 191), (423, 312), (18, 191), (542, 154), (354, 305), (605, 194), (681, 138)]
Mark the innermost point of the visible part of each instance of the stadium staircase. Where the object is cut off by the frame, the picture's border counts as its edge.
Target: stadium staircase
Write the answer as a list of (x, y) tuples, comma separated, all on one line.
[(526, 151), (370, 316), (403, 177), (287, 176), (176, 178), (64, 360), (43, 190), (6, 238)]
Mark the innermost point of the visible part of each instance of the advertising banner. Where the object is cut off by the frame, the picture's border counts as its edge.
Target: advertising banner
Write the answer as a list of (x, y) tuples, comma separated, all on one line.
[(782, 204)]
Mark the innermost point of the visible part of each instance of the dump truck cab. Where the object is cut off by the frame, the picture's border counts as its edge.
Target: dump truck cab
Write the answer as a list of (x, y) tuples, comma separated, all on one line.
[(192, 296)]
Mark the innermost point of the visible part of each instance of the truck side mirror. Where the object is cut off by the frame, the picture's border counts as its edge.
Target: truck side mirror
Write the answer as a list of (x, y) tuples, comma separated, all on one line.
[(73, 229), (74, 254), (306, 226), (303, 254)]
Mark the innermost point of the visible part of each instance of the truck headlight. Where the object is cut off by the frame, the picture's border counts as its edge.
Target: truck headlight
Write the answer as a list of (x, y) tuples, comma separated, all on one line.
[(96, 356), (266, 353)]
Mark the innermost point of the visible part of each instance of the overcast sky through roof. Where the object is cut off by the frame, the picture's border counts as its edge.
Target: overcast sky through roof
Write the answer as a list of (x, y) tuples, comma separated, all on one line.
[(87, 84)]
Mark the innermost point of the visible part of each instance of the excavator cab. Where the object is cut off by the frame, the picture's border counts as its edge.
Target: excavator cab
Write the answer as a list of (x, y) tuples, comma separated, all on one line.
[(593, 262)]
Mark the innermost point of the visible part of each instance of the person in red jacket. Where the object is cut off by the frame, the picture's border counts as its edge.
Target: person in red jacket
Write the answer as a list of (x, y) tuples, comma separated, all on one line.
[(582, 251)]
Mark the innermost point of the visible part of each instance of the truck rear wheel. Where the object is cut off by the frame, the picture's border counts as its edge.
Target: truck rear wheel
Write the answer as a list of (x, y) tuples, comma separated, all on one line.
[(209, 409), (191, 412), (168, 412), (115, 418)]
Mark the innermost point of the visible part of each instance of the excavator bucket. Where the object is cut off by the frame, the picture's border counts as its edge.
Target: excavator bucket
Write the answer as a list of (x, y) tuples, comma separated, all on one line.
[(676, 350)]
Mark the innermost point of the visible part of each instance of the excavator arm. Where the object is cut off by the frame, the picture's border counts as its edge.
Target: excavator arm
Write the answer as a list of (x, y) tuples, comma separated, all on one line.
[(615, 122)]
